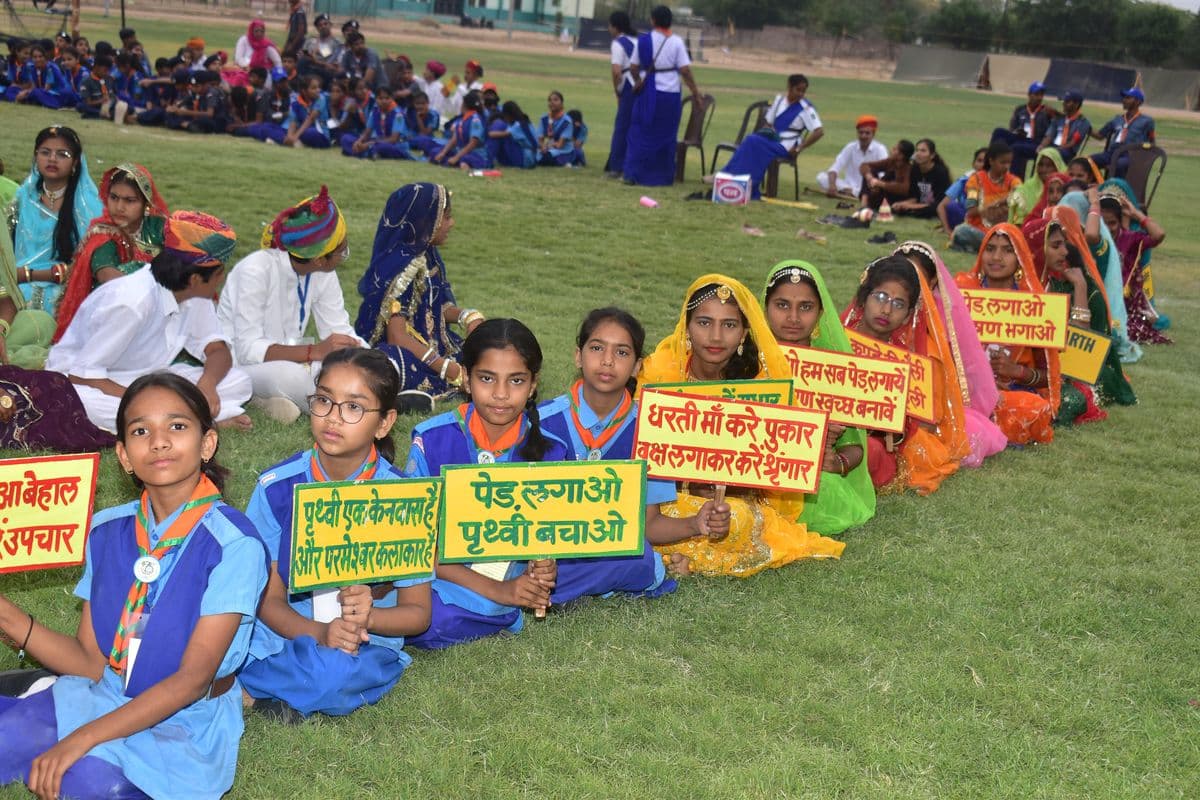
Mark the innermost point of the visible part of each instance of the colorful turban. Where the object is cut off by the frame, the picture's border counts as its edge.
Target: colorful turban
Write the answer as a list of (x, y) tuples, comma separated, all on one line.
[(474, 65), (866, 121), (199, 239), (436, 67), (311, 229), (195, 43)]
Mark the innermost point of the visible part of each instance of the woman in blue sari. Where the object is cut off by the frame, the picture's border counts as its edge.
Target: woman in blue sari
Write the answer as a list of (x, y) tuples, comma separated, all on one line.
[(658, 63), (50, 216), (408, 304), (791, 125), (624, 36)]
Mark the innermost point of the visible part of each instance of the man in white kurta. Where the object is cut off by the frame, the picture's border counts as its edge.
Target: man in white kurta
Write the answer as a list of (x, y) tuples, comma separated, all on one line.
[(134, 325), (844, 176), (265, 309)]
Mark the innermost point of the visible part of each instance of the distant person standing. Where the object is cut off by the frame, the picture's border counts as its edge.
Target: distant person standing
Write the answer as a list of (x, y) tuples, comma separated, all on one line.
[(623, 43), (297, 28), (657, 65)]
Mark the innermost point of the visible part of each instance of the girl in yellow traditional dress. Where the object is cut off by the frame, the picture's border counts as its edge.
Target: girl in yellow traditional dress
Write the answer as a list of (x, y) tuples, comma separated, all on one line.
[(722, 335)]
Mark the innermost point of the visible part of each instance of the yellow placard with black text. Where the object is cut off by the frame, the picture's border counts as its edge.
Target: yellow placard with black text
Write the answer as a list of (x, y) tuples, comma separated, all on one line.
[(1084, 354), (768, 390)]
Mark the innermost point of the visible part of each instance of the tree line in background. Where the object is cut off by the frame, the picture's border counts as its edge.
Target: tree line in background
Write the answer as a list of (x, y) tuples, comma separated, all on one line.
[(1143, 33)]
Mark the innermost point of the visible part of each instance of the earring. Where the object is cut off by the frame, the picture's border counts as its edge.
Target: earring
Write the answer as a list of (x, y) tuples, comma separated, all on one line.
[(687, 343), (129, 470), (1018, 275), (816, 332), (741, 347)]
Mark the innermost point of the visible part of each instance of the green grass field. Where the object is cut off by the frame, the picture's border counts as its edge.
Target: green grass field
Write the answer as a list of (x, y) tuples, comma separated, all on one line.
[(1027, 631)]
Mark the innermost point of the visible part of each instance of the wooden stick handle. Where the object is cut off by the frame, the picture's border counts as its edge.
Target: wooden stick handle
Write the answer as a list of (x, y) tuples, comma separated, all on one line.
[(718, 498)]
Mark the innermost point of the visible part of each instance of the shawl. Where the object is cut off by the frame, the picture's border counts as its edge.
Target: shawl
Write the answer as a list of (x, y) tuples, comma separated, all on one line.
[(857, 505), (1108, 263), (260, 46), (104, 230), (670, 360), (33, 239), (1024, 280), (1023, 199)]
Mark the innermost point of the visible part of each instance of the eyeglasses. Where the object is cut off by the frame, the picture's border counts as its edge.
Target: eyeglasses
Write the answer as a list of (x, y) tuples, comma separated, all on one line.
[(885, 299), (351, 412), (46, 152)]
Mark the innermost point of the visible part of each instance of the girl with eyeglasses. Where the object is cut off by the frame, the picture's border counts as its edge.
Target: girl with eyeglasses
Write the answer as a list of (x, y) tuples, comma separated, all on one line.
[(307, 654), (894, 305)]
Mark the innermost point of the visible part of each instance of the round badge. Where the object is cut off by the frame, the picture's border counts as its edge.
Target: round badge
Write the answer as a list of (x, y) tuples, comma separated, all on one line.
[(147, 569), (486, 457), (595, 454)]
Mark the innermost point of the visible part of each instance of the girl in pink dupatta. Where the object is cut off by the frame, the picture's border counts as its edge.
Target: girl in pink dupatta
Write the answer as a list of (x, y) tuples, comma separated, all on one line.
[(976, 381)]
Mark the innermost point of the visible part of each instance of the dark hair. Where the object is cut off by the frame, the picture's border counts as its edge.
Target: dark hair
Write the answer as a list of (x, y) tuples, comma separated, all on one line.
[(478, 69), (894, 268), (473, 101), (976, 154), (500, 334), (416, 95), (742, 366), (661, 16), (124, 178), (1075, 257), (37, 48), (797, 79), (172, 274), (126, 33), (556, 93), (1110, 203), (995, 150), (354, 38), (513, 113), (576, 116), (103, 48), (66, 238), (906, 149), (619, 316), (937, 159), (802, 276), (192, 398), (162, 63), (259, 72), (102, 61), (381, 377), (620, 20), (922, 258), (126, 60)]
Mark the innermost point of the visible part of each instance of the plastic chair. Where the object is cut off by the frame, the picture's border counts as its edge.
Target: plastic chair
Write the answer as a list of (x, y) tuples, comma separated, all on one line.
[(698, 121), (1139, 160), (756, 112)]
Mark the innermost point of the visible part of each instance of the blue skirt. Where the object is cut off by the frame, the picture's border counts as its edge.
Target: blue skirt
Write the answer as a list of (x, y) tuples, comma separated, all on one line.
[(619, 144), (29, 727), (584, 577), (753, 157), (450, 625), (653, 132), (311, 677)]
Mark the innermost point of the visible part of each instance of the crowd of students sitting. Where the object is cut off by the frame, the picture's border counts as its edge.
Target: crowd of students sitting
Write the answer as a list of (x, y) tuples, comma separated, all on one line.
[(328, 92)]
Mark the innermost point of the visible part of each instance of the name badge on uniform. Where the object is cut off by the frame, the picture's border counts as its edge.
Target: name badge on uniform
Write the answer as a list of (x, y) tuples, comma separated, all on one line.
[(147, 569)]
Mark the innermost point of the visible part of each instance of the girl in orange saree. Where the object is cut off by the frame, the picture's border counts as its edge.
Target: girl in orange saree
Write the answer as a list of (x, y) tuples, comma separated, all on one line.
[(894, 305), (1029, 378)]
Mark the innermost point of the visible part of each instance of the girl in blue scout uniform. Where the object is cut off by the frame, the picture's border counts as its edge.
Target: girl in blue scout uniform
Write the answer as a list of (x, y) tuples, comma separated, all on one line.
[(308, 121), (301, 662), (511, 139), (502, 360), (556, 134), (467, 146), (384, 135), (423, 124), (597, 420), (169, 588)]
